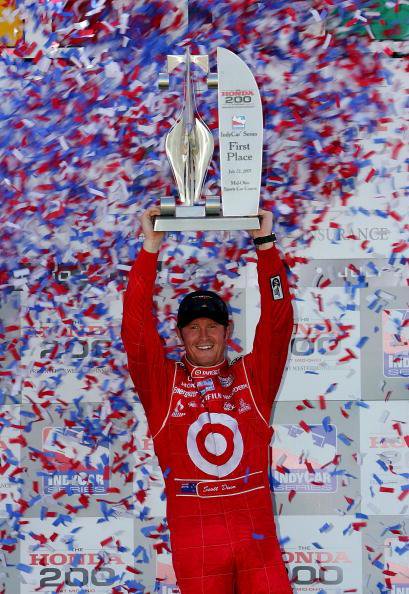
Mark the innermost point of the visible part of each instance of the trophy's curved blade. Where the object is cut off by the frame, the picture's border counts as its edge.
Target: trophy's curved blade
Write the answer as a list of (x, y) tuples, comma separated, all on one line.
[(189, 154), (189, 146)]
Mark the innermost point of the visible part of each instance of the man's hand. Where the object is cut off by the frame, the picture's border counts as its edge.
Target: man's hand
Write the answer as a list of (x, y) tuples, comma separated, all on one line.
[(266, 228), (153, 239)]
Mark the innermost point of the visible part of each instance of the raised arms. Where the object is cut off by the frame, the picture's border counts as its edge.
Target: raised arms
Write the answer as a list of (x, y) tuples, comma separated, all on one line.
[(151, 372)]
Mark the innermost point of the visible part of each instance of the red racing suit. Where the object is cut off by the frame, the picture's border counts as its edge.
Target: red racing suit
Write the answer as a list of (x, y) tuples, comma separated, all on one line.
[(211, 433)]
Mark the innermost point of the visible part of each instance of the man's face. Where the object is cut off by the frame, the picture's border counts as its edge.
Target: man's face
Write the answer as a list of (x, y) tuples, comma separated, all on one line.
[(205, 341)]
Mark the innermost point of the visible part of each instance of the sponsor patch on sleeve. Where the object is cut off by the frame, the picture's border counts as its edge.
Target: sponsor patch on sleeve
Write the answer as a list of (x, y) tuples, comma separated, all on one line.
[(276, 287)]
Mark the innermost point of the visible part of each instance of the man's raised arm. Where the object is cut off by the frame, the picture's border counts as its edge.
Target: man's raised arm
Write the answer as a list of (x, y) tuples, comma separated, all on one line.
[(151, 372), (265, 364)]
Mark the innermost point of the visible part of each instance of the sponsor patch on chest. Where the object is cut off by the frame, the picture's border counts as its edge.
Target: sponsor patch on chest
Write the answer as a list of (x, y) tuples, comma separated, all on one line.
[(226, 381), (179, 410), (205, 386), (243, 406), (228, 406)]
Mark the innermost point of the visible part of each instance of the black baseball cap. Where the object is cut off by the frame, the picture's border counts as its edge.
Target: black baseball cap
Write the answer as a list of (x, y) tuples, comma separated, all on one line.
[(202, 304)]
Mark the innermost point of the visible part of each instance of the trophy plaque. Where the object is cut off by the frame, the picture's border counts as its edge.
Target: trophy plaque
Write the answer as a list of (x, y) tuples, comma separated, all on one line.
[(189, 147)]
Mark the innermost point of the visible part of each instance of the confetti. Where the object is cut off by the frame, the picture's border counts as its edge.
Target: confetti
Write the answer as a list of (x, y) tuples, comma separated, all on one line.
[(82, 156)]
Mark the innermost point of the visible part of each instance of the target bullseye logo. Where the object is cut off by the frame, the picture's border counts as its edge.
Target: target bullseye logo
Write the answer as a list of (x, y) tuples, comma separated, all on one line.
[(215, 444)]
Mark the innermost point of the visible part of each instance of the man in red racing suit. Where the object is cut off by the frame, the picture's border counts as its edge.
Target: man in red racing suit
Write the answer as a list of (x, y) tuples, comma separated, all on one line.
[(210, 427)]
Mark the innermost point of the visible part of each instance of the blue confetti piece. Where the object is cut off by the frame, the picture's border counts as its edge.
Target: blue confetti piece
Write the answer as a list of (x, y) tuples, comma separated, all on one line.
[(43, 512), (346, 440), (140, 555), (381, 213), (62, 519), (382, 464), (362, 404), (258, 536), (24, 568), (348, 528), (76, 560), (361, 342), (402, 550), (377, 563), (326, 422)]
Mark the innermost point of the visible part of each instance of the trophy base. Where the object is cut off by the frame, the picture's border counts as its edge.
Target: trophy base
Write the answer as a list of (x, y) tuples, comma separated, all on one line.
[(163, 223)]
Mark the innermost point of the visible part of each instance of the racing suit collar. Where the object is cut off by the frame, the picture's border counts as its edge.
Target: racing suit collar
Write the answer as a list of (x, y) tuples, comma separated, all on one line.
[(202, 372)]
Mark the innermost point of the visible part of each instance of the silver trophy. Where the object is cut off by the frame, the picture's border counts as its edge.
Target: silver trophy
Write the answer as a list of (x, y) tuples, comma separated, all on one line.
[(189, 148)]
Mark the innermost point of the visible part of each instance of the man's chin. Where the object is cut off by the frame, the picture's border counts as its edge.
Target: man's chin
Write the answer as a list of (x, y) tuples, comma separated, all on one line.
[(204, 360)]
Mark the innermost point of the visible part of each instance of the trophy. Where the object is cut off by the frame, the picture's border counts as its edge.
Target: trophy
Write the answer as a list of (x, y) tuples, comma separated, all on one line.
[(189, 147)]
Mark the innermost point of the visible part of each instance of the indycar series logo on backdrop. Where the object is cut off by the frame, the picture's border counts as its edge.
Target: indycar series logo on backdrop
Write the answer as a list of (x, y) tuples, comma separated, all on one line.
[(79, 466), (298, 458), (395, 340)]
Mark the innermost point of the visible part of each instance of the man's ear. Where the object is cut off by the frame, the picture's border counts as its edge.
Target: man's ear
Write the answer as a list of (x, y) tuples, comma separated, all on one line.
[(229, 329)]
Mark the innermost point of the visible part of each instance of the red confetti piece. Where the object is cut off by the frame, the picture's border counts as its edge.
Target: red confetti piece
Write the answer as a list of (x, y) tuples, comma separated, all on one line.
[(344, 412), (304, 426), (84, 500), (401, 246), (59, 494), (403, 494), (370, 175), (397, 428), (234, 346), (282, 469), (309, 467), (133, 570), (348, 357), (396, 149), (358, 525)]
